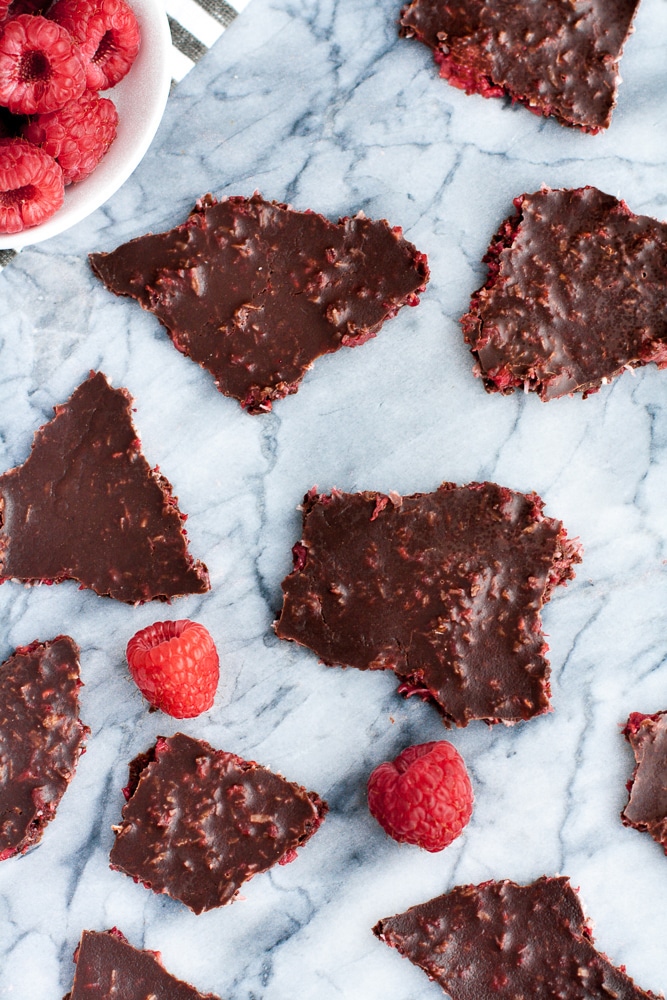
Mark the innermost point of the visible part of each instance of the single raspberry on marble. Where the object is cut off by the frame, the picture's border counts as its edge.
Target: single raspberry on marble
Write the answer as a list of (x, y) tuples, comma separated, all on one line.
[(40, 65), (108, 34), (77, 135), (175, 666), (31, 185), (423, 797)]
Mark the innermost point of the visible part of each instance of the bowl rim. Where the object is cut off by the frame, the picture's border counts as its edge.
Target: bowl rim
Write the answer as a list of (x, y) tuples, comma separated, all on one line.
[(150, 75)]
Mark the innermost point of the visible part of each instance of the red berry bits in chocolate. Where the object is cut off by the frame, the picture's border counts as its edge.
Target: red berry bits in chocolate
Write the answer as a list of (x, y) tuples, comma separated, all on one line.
[(423, 797), (109, 968), (107, 34), (444, 588), (40, 65), (255, 292), (87, 506), (200, 822), (32, 186), (576, 294), (508, 941), (558, 58), (175, 666), (41, 738), (647, 804)]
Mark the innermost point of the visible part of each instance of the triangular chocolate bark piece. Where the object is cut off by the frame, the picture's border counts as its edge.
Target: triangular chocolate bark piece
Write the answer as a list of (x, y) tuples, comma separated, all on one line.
[(200, 822), (87, 506), (575, 295), (556, 57), (508, 941), (254, 291), (41, 738), (444, 588), (109, 968), (647, 805)]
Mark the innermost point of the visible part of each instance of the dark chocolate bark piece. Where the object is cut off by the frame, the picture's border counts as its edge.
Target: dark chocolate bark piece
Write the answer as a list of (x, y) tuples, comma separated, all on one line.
[(504, 940), (200, 822), (254, 291), (87, 506), (41, 738), (109, 968), (558, 58), (444, 588), (576, 294), (647, 805)]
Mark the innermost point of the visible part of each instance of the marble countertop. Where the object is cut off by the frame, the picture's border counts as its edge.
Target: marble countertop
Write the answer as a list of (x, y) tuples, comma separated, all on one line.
[(320, 104)]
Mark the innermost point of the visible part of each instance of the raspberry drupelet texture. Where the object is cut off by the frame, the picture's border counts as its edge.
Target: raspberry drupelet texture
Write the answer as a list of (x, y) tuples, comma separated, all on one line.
[(423, 797), (41, 67), (31, 185), (77, 136), (108, 35), (175, 666)]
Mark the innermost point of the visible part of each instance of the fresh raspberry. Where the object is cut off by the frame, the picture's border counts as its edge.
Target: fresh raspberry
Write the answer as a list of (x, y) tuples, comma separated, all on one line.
[(78, 135), (175, 666), (424, 797), (108, 34), (31, 185), (40, 65)]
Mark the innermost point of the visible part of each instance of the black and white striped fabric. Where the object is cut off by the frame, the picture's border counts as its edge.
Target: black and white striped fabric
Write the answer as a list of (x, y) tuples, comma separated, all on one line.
[(195, 25)]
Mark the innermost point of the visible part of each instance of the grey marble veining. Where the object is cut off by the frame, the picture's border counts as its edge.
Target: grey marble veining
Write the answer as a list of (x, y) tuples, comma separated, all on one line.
[(320, 104)]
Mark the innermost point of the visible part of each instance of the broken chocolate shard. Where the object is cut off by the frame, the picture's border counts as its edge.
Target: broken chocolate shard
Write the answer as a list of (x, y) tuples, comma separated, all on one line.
[(200, 822), (109, 968), (444, 588), (255, 292), (559, 59), (647, 804), (41, 738), (86, 506), (576, 294), (508, 941)]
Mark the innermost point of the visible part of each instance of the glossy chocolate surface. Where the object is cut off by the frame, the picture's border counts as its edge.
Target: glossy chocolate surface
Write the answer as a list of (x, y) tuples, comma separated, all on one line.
[(444, 588), (109, 968), (647, 805), (508, 941), (200, 822), (254, 291), (41, 738), (558, 58), (87, 506)]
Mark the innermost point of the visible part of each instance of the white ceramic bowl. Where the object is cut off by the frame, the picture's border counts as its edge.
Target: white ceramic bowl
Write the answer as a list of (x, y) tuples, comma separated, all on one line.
[(140, 99)]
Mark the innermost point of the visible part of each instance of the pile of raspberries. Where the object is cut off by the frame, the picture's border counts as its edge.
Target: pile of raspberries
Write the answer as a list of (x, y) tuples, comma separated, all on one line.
[(54, 126)]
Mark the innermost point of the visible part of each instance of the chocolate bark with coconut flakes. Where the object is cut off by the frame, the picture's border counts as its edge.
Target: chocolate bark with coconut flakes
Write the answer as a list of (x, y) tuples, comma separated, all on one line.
[(444, 588), (41, 738), (109, 968), (87, 506), (576, 294), (508, 941), (200, 822), (559, 59), (255, 292), (647, 804)]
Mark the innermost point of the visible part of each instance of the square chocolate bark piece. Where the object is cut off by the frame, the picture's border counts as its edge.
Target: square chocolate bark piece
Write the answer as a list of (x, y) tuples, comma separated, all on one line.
[(109, 968), (647, 804), (558, 58), (576, 294), (41, 738), (200, 822), (255, 292), (87, 506), (443, 588), (508, 941)]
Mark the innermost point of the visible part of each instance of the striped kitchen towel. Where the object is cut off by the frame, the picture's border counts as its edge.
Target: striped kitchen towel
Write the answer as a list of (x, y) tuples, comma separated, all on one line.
[(195, 25)]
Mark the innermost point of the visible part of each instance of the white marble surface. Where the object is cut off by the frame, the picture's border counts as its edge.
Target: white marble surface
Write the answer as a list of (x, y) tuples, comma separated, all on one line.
[(319, 103)]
